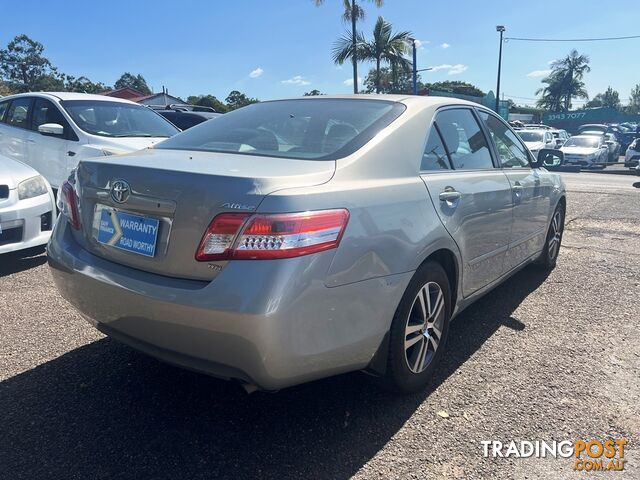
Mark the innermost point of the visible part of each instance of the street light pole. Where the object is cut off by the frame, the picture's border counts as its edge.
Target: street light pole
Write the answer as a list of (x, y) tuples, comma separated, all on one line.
[(501, 29)]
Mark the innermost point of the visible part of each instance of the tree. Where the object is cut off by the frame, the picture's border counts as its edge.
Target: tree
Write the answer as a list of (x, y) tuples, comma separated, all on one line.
[(385, 46), (207, 101), (24, 68), (634, 100), (564, 83), (400, 82), (83, 85), (609, 99), (456, 86), (313, 93), (236, 99), (137, 82), (352, 13), (4, 89)]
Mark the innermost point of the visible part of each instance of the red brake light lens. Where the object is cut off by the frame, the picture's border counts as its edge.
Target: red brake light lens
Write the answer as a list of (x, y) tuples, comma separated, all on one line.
[(272, 236), (69, 204)]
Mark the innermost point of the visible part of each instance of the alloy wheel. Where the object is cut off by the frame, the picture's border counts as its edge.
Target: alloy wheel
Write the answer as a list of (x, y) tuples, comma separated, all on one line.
[(423, 330), (556, 234)]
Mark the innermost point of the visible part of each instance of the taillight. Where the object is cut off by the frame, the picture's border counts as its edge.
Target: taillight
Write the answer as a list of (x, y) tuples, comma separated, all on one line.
[(271, 236), (68, 204)]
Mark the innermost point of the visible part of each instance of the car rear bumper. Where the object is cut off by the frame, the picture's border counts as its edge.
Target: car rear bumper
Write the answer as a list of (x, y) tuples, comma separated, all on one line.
[(268, 323), (25, 223)]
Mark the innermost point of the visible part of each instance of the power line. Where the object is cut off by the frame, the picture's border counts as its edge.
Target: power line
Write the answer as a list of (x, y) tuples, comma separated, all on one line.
[(521, 39)]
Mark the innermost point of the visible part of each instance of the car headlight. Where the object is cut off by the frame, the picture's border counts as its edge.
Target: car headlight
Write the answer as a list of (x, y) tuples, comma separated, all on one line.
[(32, 187)]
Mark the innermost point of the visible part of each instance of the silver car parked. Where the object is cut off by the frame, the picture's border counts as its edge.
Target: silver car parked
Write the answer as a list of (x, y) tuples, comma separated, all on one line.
[(296, 239)]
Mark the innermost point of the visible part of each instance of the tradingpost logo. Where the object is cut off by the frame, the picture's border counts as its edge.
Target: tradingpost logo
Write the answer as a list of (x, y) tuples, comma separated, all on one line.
[(588, 455)]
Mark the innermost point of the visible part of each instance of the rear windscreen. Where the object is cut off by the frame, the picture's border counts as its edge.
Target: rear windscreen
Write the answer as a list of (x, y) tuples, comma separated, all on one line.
[(311, 129)]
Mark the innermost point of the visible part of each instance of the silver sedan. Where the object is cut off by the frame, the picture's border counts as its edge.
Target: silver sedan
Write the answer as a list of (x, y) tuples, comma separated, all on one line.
[(297, 239)]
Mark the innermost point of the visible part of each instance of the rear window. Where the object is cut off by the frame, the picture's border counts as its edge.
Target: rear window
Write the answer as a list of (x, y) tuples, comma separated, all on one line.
[(313, 129)]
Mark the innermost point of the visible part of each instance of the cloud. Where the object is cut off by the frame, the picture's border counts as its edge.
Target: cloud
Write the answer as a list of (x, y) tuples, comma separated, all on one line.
[(421, 43), (349, 81), (445, 45), (451, 69), (256, 73), (539, 73), (297, 80)]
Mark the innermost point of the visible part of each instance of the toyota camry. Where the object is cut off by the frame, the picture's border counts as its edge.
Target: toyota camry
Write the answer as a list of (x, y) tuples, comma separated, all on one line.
[(296, 239)]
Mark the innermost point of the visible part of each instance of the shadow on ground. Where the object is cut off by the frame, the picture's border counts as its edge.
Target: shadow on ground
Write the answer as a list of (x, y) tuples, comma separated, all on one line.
[(16, 262), (105, 411)]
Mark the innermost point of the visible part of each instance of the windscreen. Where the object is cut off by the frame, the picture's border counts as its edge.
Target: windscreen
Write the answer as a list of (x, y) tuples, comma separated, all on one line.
[(311, 129), (582, 142), (530, 136), (117, 119)]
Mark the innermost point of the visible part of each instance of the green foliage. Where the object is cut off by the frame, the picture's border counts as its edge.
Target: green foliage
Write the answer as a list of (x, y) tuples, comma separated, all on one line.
[(456, 86), (137, 82), (609, 99), (4, 89), (236, 99), (313, 93), (399, 82), (352, 13), (83, 85), (207, 101), (634, 100), (564, 83), (385, 46), (24, 68)]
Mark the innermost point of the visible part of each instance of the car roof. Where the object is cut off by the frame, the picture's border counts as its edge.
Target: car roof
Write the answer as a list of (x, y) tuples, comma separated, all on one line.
[(70, 96), (413, 99), (584, 136)]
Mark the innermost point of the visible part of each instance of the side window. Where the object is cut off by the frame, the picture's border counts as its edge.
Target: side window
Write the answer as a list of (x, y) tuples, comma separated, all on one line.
[(46, 112), (435, 156), (18, 113), (3, 109), (464, 139), (511, 152)]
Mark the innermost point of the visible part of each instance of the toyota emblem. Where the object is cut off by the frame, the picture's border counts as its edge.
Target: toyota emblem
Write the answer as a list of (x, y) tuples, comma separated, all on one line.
[(120, 191)]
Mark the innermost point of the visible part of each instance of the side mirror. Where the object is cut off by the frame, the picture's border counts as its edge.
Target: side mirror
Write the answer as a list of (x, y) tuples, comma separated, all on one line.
[(54, 129), (549, 157)]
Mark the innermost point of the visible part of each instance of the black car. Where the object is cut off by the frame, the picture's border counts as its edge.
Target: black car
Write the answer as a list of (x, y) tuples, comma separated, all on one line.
[(185, 116)]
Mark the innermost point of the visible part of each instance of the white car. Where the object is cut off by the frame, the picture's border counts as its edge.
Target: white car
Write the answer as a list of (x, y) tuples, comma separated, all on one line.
[(588, 151), (536, 140), (27, 207), (632, 156), (52, 132)]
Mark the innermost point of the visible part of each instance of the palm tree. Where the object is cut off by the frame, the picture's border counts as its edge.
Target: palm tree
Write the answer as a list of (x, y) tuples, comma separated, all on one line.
[(352, 13), (386, 46), (565, 82)]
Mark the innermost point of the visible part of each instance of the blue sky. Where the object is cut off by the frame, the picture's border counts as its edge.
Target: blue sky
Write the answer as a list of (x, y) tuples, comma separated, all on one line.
[(279, 48)]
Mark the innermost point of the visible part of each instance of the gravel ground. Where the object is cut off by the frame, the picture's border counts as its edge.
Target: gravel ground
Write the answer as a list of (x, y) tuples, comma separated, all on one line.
[(540, 358)]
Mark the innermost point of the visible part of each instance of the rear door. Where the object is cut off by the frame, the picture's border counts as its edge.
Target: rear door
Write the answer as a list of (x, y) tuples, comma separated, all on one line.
[(472, 196), (531, 191), (15, 129), (49, 154)]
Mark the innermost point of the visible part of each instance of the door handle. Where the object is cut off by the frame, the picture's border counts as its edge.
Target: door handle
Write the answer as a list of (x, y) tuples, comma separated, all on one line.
[(71, 154), (30, 140), (449, 195), (517, 187)]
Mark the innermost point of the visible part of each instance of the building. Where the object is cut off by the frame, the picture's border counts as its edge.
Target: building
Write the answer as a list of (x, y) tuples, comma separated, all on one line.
[(127, 93)]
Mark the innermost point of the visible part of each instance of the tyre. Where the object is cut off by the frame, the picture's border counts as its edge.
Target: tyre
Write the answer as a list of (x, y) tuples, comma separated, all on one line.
[(419, 330), (549, 255)]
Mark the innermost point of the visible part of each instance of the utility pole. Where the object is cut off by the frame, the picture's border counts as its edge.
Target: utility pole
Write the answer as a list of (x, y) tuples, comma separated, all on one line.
[(354, 46), (501, 29)]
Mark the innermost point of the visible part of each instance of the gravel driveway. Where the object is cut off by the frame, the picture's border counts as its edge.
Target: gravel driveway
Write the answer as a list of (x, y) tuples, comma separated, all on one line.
[(540, 358)]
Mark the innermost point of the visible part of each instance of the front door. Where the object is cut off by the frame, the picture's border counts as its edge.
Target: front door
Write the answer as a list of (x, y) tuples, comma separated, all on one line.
[(49, 154), (14, 130), (472, 196), (531, 193)]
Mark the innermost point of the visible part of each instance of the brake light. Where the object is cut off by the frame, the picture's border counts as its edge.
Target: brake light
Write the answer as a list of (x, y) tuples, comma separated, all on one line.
[(217, 241), (272, 236), (68, 204)]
